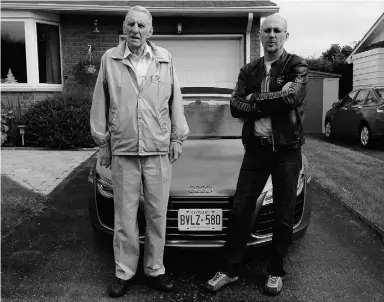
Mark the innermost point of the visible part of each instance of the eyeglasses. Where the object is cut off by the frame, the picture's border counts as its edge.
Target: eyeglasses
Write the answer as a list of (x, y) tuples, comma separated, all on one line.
[(268, 31)]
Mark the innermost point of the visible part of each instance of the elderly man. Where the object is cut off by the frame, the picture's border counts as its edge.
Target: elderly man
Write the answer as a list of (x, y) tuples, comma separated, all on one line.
[(269, 95), (137, 120)]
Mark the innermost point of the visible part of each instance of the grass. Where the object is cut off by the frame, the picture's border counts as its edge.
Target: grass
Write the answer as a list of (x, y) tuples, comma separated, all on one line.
[(18, 204), (356, 179)]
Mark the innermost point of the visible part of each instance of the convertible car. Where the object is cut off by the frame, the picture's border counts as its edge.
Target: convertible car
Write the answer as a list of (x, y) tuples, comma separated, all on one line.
[(204, 181)]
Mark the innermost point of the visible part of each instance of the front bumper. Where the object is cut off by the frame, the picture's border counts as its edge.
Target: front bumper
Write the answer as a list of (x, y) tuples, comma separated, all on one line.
[(102, 217)]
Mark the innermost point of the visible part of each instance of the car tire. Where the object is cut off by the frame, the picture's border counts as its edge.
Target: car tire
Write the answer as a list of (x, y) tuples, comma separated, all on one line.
[(328, 129), (365, 136)]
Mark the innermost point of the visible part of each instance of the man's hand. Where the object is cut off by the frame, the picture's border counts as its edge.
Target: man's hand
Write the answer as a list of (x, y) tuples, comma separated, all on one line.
[(175, 150), (105, 156)]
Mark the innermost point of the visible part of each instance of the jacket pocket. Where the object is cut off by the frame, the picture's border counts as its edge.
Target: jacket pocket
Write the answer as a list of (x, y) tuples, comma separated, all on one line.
[(162, 122)]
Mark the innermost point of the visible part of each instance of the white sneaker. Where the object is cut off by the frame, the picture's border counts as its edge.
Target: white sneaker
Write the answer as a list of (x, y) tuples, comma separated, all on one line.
[(218, 281), (274, 285)]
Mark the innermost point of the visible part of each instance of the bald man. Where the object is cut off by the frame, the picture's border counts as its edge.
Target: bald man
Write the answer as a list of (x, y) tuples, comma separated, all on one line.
[(269, 96)]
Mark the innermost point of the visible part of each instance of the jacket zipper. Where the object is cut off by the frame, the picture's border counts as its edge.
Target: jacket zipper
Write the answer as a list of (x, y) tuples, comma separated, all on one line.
[(266, 88)]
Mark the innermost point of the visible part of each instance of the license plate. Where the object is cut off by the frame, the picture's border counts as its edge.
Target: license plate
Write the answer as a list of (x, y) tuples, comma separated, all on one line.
[(200, 219)]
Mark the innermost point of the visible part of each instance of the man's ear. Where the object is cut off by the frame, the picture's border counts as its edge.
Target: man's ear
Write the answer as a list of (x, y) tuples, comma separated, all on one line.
[(286, 36), (124, 28), (150, 32)]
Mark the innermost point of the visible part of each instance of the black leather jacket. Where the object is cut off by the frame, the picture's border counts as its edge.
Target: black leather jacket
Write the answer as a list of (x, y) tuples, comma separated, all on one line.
[(285, 108)]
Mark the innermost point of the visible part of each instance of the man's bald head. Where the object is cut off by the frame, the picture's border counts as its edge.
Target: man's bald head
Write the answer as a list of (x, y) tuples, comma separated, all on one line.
[(273, 34), (275, 18)]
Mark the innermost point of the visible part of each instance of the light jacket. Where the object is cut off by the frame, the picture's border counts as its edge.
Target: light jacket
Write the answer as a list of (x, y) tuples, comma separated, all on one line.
[(285, 108), (133, 119)]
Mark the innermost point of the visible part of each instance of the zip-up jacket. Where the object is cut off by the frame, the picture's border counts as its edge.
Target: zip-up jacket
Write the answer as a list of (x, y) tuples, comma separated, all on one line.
[(133, 119), (285, 108)]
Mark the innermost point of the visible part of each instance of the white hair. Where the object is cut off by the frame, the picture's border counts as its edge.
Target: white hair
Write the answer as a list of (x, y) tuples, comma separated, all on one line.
[(142, 9)]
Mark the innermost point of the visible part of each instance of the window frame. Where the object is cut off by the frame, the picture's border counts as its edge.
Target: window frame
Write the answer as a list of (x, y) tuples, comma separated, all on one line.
[(30, 20)]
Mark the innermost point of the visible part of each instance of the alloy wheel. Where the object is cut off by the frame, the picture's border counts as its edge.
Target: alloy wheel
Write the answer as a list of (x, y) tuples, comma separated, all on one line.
[(328, 129), (364, 136)]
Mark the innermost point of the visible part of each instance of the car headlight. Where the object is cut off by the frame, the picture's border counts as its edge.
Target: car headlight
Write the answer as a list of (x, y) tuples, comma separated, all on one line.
[(300, 186)]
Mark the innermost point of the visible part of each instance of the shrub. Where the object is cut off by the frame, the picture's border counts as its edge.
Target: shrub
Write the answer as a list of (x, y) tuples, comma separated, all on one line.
[(6, 124), (60, 122)]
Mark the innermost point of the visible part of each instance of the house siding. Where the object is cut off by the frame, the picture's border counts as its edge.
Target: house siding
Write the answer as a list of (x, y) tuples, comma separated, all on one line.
[(368, 68)]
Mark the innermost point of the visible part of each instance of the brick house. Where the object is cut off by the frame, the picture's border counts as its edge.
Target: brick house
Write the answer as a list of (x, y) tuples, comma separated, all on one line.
[(42, 41)]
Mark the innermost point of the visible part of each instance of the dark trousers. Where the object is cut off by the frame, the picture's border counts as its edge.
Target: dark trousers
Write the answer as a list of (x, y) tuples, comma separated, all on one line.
[(259, 162)]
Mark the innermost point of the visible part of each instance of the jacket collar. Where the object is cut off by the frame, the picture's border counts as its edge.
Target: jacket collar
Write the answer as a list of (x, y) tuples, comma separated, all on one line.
[(282, 57), (158, 52)]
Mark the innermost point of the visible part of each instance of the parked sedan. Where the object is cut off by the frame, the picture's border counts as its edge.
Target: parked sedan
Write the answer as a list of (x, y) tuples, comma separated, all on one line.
[(204, 181), (360, 113)]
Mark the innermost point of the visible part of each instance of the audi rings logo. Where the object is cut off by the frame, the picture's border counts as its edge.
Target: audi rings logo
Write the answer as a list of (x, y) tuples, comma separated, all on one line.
[(200, 189)]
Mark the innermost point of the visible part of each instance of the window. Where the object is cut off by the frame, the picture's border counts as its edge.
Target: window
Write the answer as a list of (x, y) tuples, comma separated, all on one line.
[(361, 97), (371, 99), (30, 52), (13, 52), (348, 99)]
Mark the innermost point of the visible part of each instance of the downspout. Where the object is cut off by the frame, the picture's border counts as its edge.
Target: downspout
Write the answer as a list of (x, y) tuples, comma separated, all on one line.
[(248, 39)]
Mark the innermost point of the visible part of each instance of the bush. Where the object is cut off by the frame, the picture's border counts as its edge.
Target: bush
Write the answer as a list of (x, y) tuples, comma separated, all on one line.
[(6, 124), (60, 122)]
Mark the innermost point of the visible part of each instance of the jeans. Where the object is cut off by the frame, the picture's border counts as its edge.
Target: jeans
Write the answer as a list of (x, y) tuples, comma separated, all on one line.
[(259, 162)]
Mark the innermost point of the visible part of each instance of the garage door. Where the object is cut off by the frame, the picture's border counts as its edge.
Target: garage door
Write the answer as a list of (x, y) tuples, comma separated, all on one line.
[(205, 61)]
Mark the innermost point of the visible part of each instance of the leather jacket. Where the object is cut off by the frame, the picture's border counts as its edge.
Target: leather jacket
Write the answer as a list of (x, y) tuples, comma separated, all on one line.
[(284, 107)]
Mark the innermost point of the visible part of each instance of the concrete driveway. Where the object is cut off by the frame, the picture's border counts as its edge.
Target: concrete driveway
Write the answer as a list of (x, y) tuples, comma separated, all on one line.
[(58, 258)]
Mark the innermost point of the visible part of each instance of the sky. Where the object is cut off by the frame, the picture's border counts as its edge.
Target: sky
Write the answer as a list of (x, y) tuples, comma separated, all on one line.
[(314, 25)]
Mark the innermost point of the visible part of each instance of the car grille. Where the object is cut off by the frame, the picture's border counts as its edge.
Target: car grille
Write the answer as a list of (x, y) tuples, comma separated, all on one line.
[(263, 226)]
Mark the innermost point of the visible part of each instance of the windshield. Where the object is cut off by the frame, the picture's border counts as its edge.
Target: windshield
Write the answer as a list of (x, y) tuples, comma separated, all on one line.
[(210, 117)]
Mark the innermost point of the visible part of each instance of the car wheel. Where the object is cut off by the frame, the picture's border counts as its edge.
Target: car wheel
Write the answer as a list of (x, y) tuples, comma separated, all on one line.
[(328, 129), (365, 136)]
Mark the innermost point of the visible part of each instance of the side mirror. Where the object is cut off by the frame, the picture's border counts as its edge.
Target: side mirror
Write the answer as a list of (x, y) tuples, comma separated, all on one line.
[(336, 105)]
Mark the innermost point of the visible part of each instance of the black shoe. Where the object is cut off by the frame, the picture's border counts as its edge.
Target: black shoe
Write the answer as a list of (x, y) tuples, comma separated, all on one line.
[(162, 283), (119, 288)]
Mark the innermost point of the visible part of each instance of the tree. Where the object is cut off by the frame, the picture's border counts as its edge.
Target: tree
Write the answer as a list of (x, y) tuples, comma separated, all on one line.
[(333, 61)]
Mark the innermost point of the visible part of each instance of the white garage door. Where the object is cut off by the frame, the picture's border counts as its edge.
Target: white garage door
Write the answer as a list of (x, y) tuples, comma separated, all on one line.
[(205, 61)]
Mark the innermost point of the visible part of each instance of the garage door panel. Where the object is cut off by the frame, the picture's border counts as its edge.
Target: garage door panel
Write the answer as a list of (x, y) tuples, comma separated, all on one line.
[(205, 62)]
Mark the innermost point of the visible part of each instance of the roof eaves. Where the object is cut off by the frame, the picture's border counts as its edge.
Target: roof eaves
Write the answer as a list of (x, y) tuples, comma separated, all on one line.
[(264, 9), (370, 31)]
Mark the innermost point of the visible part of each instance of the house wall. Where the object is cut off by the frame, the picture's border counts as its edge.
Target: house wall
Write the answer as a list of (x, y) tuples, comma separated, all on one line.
[(368, 68), (77, 33)]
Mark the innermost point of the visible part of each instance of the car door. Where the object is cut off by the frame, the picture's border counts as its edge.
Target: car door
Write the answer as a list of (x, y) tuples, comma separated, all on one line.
[(338, 118), (374, 113), (351, 116)]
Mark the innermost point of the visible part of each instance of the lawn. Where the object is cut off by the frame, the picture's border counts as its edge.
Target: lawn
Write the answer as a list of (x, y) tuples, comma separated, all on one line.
[(355, 178), (17, 205)]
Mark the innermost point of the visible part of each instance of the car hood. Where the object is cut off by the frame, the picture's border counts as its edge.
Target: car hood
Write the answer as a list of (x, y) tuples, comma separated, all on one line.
[(212, 162)]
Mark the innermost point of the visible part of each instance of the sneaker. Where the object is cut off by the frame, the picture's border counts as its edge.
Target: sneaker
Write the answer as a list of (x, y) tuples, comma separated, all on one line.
[(274, 285), (218, 281)]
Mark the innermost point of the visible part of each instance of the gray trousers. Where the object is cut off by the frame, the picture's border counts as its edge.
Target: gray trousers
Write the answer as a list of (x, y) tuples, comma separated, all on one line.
[(129, 173)]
